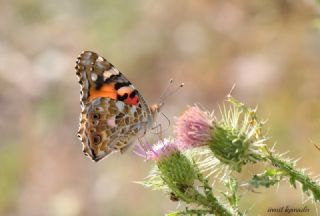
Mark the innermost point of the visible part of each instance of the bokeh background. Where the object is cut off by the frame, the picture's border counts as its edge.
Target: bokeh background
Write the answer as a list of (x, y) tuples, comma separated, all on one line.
[(270, 49)]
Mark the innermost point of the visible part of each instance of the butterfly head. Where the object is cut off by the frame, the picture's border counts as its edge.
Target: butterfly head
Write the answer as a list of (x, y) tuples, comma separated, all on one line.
[(155, 109)]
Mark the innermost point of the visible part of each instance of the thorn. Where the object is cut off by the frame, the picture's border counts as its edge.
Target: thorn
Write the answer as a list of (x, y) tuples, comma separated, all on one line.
[(232, 88)]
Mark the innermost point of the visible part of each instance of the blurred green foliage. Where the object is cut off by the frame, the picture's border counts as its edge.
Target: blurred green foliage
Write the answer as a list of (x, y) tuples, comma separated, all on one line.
[(10, 173)]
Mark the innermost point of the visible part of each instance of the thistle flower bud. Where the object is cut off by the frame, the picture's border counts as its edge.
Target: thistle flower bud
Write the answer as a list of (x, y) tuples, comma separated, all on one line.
[(161, 150), (178, 170), (193, 128), (174, 167), (237, 139)]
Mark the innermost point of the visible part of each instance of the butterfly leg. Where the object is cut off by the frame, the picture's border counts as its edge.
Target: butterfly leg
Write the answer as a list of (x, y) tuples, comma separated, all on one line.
[(160, 133)]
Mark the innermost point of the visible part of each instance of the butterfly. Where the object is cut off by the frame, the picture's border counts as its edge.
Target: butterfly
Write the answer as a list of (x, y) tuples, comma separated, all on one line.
[(113, 113)]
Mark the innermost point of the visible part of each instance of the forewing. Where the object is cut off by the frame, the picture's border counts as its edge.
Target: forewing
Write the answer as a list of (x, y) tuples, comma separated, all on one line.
[(99, 78)]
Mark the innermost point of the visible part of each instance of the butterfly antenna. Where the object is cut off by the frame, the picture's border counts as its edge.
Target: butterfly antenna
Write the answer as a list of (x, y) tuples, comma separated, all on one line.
[(165, 90), (166, 93), (170, 93)]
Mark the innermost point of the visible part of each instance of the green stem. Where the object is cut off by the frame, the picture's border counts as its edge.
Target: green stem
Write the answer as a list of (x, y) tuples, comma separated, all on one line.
[(288, 169), (209, 194), (193, 212), (212, 203), (294, 175), (191, 195)]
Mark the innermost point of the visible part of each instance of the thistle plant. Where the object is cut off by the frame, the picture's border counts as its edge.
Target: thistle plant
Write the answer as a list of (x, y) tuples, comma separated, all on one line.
[(177, 174), (204, 145)]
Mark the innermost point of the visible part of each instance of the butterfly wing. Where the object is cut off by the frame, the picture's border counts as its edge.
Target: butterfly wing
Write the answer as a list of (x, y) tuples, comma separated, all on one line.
[(113, 113), (111, 125)]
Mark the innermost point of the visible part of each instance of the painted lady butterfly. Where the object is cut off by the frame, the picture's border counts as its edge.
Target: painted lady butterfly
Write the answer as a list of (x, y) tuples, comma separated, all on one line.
[(113, 113)]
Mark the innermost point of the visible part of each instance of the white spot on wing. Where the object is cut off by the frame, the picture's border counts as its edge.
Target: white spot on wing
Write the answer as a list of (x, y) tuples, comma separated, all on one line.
[(85, 61), (100, 58), (107, 75), (133, 109), (120, 106), (114, 71), (94, 76), (112, 121)]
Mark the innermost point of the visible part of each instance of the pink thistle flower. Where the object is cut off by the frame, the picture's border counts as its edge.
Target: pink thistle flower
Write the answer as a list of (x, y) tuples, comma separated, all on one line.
[(162, 149), (193, 128)]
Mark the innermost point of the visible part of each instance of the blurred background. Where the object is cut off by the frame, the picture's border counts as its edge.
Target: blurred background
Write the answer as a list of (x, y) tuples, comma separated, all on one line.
[(270, 49)]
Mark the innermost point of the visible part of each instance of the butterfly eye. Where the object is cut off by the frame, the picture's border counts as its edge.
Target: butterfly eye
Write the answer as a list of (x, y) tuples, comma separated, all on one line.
[(96, 139)]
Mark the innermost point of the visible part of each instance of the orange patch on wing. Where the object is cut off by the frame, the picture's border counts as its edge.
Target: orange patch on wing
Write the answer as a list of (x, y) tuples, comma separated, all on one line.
[(107, 90)]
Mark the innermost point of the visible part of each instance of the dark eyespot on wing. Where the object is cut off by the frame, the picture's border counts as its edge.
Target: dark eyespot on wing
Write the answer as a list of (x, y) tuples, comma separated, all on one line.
[(111, 79), (118, 118), (123, 97), (99, 82), (96, 139), (133, 94), (96, 116), (117, 78), (121, 84)]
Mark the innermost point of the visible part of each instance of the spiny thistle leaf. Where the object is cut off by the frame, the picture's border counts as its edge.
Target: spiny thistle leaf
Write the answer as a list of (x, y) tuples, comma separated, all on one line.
[(267, 179), (295, 175)]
